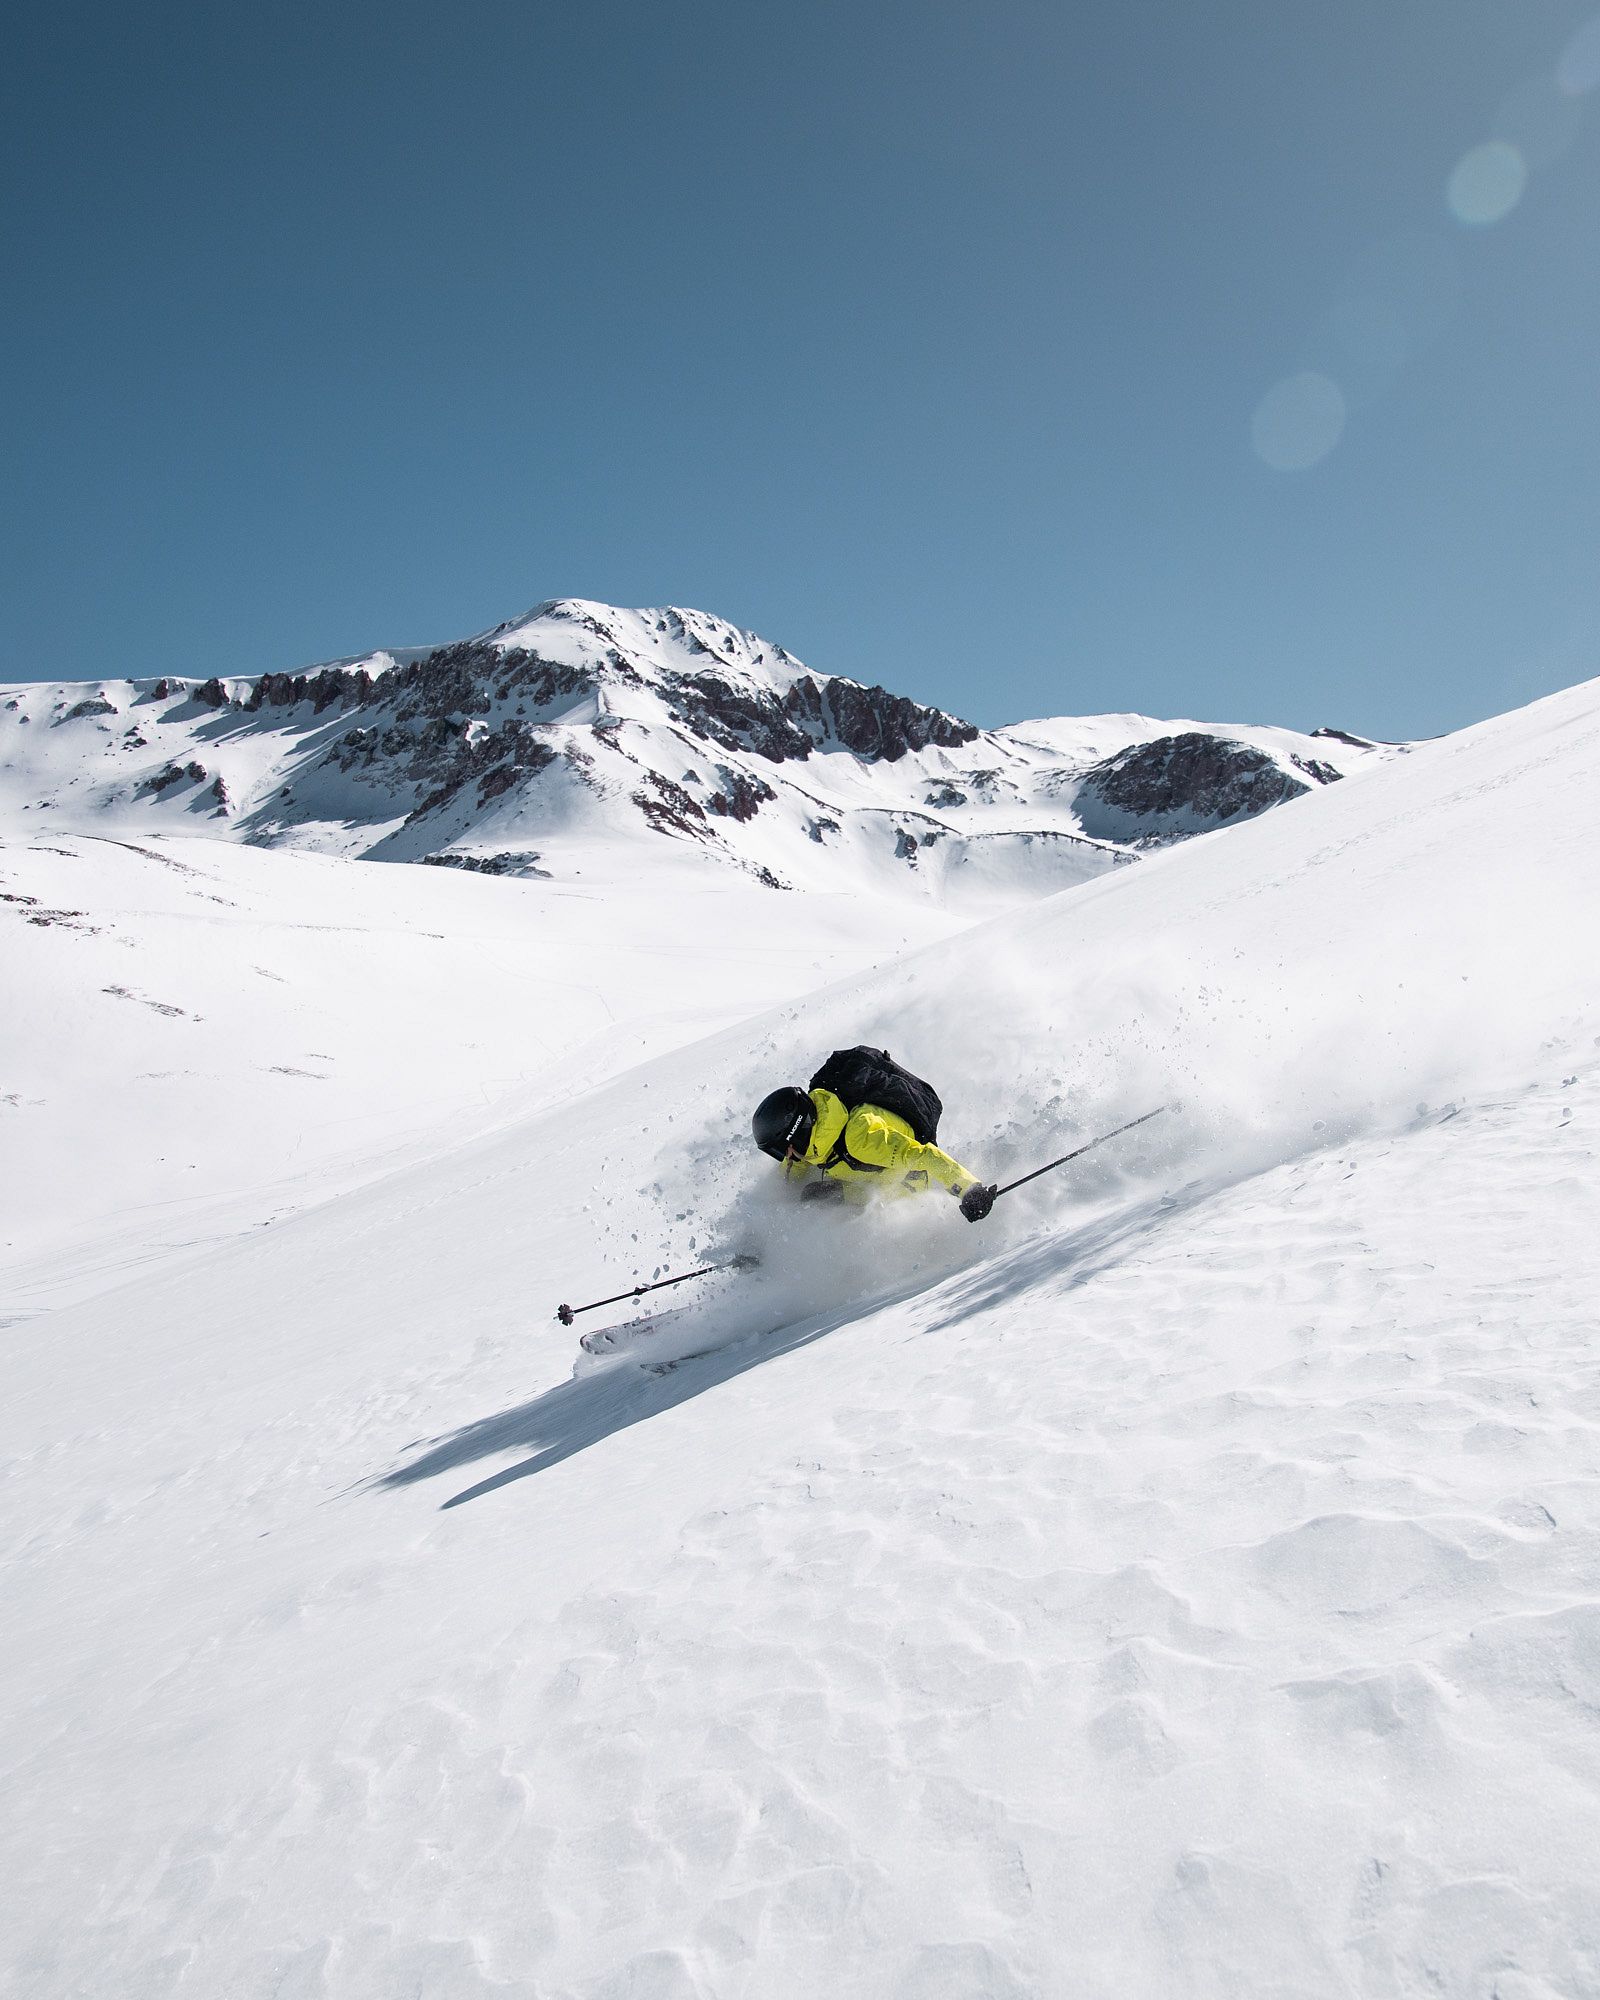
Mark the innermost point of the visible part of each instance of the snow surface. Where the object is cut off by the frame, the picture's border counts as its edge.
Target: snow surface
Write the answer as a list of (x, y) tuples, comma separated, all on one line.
[(203, 1038), (1186, 1582), (651, 731)]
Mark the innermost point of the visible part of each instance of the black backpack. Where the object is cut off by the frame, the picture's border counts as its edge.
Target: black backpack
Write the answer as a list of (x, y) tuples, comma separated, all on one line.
[(872, 1076)]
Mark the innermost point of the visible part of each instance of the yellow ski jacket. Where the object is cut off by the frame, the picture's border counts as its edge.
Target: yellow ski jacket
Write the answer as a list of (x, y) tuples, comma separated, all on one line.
[(874, 1152)]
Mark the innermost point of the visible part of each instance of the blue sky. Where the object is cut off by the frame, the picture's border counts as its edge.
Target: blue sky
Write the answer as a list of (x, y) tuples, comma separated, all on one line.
[(1238, 361)]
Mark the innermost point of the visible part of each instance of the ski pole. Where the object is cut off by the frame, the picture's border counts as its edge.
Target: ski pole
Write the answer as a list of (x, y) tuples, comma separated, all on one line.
[(567, 1314), (1078, 1152)]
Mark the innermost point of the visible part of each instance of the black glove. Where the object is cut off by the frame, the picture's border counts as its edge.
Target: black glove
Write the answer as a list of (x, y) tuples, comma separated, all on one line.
[(977, 1201)]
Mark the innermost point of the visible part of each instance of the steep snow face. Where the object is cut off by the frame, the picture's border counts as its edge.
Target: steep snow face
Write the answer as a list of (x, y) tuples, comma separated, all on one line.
[(1182, 1582), (566, 741)]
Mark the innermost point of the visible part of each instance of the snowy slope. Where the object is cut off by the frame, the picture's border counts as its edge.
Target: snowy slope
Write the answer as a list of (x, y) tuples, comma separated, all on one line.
[(583, 736), (1184, 1583), (198, 1038)]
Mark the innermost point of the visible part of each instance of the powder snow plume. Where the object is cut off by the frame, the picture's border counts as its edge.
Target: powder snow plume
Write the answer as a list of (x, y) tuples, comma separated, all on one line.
[(1341, 969)]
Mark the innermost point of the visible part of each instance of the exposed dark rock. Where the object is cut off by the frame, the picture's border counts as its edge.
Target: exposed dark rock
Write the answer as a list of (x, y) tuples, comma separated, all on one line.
[(528, 758), (508, 863), (669, 808), (570, 613), (468, 678), (874, 723), (465, 726), (741, 797), (809, 716), (273, 691), (95, 705), (155, 1006), (174, 774), (444, 754), (70, 920), (447, 683), (690, 641), (986, 783), (1344, 736), (499, 780), (426, 725), (621, 669), (736, 718), (802, 703), (323, 690), (1190, 782), (441, 795)]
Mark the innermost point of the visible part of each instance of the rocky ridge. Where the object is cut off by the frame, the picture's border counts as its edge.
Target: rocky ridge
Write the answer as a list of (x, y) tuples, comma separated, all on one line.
[(579, 730)]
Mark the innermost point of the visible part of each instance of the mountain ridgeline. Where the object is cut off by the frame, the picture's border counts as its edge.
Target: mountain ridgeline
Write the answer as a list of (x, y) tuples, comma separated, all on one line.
[(557, 743)]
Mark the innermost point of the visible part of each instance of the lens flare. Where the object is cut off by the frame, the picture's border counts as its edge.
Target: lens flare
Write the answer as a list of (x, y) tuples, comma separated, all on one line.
[(1298, 422), (1487, 183)]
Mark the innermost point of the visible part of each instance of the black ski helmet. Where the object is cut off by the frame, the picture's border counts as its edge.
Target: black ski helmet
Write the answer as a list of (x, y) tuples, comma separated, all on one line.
[(783, 1120)]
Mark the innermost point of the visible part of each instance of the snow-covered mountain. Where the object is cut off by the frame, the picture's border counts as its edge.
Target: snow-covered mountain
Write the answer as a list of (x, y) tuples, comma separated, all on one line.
[(1180, 1586), (580, 737)]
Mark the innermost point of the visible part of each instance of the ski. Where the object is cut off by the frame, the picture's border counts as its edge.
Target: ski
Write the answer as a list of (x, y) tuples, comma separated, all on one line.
[(618, 1339)]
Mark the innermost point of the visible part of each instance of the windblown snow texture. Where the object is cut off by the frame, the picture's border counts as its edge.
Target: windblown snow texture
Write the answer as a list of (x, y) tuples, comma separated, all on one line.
[(1183, 1583)]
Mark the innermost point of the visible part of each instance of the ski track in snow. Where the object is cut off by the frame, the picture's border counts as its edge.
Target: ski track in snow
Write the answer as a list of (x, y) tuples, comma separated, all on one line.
[(1189, 1585)]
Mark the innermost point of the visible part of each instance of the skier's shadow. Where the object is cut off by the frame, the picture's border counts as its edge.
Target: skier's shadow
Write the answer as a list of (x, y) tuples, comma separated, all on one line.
[(569, 1418)]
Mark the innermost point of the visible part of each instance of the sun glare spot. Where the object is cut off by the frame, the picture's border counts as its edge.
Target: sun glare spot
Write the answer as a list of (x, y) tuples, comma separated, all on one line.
[(1578, 71), (1487, 183), (1299, 422)]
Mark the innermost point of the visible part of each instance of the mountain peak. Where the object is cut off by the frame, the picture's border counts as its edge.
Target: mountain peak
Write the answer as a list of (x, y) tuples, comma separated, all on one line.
[(581, 630), (565, 736)]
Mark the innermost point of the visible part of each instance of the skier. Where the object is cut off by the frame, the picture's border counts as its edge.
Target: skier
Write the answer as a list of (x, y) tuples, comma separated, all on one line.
[(865, 1127)]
